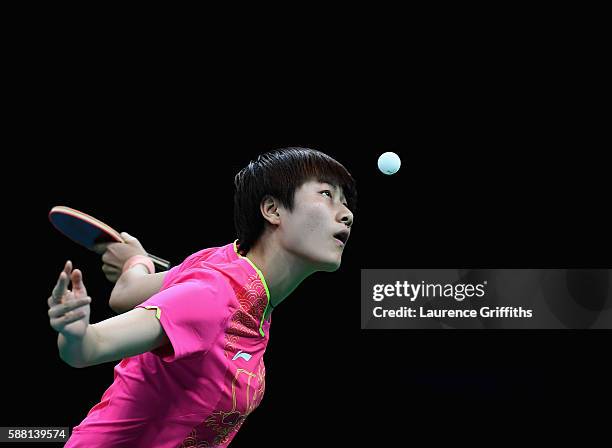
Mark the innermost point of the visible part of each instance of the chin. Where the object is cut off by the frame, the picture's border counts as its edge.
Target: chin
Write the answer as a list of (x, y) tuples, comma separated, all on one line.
[(331, 266), (323, 262)]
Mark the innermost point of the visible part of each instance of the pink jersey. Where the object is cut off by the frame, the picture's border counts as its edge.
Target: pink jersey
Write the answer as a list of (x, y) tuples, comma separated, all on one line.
[(198, 391)]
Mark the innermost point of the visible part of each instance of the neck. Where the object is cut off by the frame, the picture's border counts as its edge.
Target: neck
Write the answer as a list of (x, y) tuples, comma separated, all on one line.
[(282, 270)]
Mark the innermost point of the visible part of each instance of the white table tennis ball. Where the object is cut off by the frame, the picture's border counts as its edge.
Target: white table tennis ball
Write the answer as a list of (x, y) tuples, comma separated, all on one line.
[(389, 163)]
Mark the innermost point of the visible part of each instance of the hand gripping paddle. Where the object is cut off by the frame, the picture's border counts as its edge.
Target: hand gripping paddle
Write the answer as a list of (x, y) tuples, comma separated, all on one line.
[(89, 231)]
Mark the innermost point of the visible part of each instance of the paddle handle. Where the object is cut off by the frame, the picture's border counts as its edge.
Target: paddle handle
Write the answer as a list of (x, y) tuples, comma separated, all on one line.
[(164, 265)]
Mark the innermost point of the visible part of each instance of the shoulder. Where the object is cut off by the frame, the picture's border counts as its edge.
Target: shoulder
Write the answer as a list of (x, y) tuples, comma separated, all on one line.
[(210, 255), (198, 256)]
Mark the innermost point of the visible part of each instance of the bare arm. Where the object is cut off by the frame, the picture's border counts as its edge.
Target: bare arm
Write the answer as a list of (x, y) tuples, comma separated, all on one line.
[(129, 334), (134, 287)]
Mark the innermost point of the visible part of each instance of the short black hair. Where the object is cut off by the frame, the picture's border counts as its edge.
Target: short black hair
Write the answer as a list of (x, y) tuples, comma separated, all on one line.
[(279, 173)]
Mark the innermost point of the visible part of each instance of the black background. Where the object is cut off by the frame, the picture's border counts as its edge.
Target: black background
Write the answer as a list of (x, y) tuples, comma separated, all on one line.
[(500, 173)]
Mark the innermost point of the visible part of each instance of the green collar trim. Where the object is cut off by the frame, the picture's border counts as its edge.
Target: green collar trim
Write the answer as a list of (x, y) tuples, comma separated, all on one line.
[(263, 281)]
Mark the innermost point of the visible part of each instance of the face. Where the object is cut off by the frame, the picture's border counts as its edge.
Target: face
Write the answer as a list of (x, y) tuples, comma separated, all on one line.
[(308, 231)]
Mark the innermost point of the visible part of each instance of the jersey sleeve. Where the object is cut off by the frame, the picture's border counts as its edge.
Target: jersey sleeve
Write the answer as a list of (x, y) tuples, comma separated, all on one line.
[(170, 276), (173, 272), (192, 313)]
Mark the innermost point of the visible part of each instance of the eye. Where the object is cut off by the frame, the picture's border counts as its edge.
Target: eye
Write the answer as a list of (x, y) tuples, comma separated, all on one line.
[(328, 192)]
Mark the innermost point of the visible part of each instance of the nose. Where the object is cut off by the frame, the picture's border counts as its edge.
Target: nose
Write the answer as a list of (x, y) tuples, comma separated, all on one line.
[(347, 218)]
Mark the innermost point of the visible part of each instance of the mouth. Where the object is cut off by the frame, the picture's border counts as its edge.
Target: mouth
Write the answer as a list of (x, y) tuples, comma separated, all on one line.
[(342, 237)]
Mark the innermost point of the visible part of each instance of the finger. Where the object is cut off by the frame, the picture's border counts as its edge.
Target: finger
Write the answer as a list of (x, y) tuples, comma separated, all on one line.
[(60, 287), (113, 277), (112, 274), (100, 248), (59, 323), (78, 287), (109, 259), (109, 269), (52, 302), (68, 297), (63, 308), (68, 268)]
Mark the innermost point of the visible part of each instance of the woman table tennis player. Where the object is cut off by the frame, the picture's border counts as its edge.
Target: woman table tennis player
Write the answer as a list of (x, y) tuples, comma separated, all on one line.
[(191, 340)]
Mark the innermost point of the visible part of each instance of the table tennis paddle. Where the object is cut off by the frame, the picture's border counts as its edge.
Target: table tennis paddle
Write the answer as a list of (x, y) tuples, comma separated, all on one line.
[(89, 231)]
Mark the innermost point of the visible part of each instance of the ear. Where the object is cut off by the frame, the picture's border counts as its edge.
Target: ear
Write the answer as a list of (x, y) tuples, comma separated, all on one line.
[(270, 210)]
